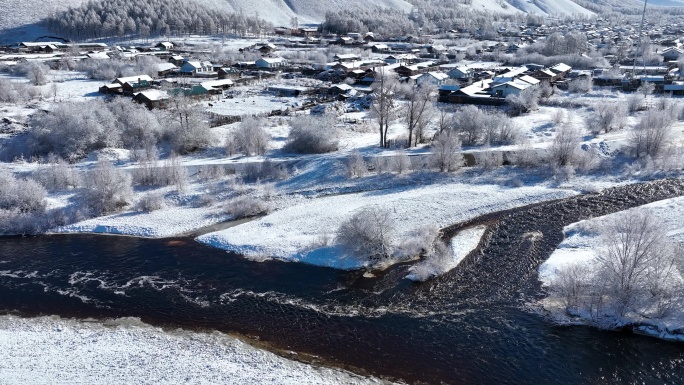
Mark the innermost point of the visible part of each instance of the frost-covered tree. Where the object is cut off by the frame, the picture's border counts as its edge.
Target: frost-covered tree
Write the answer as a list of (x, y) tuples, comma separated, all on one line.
[(418, 111), (650, 137), (251, 138), (369, 233), (446, 152), (606, 117), (565, 146), (188, 130), (107, 189)]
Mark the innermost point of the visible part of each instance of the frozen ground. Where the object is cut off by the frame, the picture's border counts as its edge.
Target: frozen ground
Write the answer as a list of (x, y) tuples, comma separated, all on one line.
[(305, 231), (50, 350)]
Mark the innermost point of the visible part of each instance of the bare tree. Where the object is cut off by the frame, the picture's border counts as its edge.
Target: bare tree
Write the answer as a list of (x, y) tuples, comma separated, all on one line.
[(651, 135), (368, 233), (418, 110), (446, 152), (384, 89), (565, 146), (638, 260)]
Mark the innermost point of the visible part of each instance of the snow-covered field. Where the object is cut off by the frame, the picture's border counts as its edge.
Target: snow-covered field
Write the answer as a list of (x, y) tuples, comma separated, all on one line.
[(50, 350), (304, 231)]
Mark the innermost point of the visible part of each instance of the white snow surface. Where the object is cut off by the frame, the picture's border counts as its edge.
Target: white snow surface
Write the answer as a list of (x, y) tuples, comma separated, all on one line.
[(539, 7), (582, 242), (50, 350), (166, 222), (465, 242), (303, 231)]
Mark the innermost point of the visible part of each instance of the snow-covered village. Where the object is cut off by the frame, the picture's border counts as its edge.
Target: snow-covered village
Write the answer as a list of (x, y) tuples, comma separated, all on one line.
[(323, 192)]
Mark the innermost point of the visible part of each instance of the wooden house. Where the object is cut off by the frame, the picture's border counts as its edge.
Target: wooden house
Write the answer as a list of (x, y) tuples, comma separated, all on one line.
[(152, 98)]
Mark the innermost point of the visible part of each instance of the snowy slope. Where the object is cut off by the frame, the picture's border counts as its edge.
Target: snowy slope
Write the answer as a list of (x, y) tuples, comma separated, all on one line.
[(539, 7), (14, 13), (280, 12)]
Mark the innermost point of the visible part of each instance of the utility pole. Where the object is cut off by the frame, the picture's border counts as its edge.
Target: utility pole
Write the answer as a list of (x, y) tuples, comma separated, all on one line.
[(641, 31)]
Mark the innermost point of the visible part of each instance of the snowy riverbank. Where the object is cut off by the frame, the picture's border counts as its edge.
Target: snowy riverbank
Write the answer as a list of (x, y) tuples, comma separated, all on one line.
[(582, 245), (305, 231), (51, 350)]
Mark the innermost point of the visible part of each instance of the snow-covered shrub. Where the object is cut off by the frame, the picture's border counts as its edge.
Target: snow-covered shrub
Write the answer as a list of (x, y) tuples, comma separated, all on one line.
[(58, 175), (421, 241), (187, 129), (580, 85), (36, 72), (170, 172), (24, 195), (558, 117), (151, 201), (490, 159), (636, 272), (479, 127), (525, 101), (211, 172), (401, 162), (379, 164), (369, 233), (356, 165), (251, 138), (245, 206), (312, 135), (636, 102), (107, 189), (446, 152), (266, 170), (71, 130), (139, 127), (15, 221), (606, 117)]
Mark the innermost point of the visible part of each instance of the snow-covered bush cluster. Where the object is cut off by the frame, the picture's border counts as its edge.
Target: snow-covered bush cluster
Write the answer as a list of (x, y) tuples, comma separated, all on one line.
[(15, 92), (250, 138), (312, 135), (72, 130), (637, 273), (115, 68), (477, 127), (107, 188)]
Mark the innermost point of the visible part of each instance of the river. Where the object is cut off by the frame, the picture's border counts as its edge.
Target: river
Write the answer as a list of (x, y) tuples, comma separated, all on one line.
[(474, 325)]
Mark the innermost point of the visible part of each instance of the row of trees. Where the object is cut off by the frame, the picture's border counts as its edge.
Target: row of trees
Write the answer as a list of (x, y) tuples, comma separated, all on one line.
[(97, 19)]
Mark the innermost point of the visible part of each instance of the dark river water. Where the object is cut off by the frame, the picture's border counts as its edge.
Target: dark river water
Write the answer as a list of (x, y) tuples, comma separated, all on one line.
[(474, 325)]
